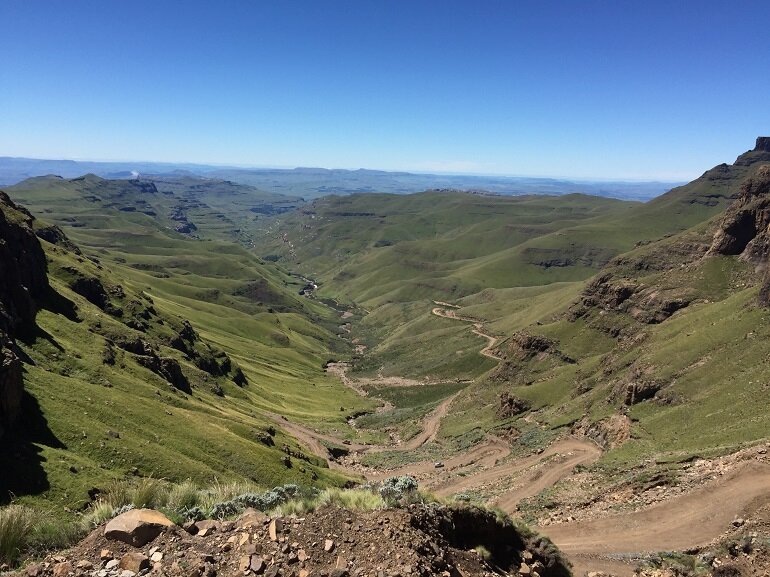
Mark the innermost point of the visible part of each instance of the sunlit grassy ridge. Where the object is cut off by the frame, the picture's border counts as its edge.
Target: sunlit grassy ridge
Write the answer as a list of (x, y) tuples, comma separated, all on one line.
[(514, 264), (98, 421)]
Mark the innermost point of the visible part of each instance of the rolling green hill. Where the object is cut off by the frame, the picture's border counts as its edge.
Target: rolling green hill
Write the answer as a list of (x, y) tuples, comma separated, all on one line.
[(174, 349)]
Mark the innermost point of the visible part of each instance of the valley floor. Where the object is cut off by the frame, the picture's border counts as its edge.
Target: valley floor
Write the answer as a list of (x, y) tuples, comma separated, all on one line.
[(607, 528)]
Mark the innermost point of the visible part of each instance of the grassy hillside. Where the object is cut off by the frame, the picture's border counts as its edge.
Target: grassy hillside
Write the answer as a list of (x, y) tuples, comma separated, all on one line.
[(102, 399), (611, 320), (192, 207), (375, 248), (510, 261), (663, 355)]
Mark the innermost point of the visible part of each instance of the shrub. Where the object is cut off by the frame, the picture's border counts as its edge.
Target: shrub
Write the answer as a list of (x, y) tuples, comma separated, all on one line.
[(51, 533), (117, 494), (356, 499), (221, 492), (267, 501), (297, 507), (225, 509), (395, 490), (98, 513), (191, 513)]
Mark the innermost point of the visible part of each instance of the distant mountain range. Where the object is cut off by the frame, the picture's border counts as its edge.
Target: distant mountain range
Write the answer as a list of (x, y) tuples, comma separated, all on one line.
[(312, 183)]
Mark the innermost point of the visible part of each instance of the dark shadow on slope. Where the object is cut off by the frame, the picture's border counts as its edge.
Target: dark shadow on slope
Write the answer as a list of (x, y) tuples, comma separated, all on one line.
[(60, 305), (21, 462)]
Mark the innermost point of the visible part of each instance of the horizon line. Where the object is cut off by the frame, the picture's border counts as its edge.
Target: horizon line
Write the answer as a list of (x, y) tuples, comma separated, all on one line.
[(244, 166)]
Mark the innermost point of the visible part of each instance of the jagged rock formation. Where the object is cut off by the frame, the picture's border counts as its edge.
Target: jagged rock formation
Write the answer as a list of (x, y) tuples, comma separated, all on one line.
[(23, 277), (23, 280), (214, 362), (761, 152), (649, 305), (607, 433), (11, 384), (745, 228), (55, 235), (511, 405)]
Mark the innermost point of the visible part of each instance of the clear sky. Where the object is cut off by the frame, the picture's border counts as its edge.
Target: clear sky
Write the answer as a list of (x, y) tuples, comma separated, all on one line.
[(610, 88)]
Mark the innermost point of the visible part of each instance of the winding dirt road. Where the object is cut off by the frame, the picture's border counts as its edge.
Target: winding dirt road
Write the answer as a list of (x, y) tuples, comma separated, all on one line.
[(679, 523), (477, 327), (605, 544)]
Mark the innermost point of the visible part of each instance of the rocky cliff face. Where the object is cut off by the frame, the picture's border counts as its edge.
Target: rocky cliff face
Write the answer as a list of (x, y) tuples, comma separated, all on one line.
[(23, 279), (23, 275), (745, 228), (761, 153)]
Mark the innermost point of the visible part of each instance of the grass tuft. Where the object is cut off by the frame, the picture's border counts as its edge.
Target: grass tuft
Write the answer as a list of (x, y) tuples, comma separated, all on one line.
[(17, 524), (184, 495), (355, 499)]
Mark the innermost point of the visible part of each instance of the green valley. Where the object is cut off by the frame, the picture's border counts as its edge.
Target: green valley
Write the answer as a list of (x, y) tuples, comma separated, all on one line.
[(200, 330)]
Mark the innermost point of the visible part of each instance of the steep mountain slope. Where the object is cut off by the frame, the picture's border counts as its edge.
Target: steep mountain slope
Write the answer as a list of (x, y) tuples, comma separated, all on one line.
[(23, 283), (508, 261), (127, 367), (664, 353), (375, 248)]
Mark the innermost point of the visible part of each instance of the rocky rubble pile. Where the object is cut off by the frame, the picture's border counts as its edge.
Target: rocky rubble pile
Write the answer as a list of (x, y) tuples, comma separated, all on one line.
[(330, 542)]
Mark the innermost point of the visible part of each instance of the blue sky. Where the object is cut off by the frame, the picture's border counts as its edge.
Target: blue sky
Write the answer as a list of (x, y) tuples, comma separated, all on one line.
[(594, 89)]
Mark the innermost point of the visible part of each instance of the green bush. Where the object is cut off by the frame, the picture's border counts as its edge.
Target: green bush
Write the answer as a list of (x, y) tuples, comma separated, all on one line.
[(148, 493), (25, 531), (399, 490)]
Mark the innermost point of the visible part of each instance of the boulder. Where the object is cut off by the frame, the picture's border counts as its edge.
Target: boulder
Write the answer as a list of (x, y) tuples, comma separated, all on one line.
[(137, 527), (207, 526), (251, 518), (134, 561), (62, 569)]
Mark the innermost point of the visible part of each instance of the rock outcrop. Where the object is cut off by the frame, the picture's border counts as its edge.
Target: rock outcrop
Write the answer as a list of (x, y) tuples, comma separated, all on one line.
[(511, 405), (23, 273), (761, 153), (745, 227), (23, 282), (646, 304), (55, 235), (11, 384)]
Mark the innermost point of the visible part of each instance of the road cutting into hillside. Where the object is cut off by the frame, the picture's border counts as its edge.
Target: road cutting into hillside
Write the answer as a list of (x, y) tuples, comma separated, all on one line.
[(689, 520), (477, 327), (314, 440), (607, 543)]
